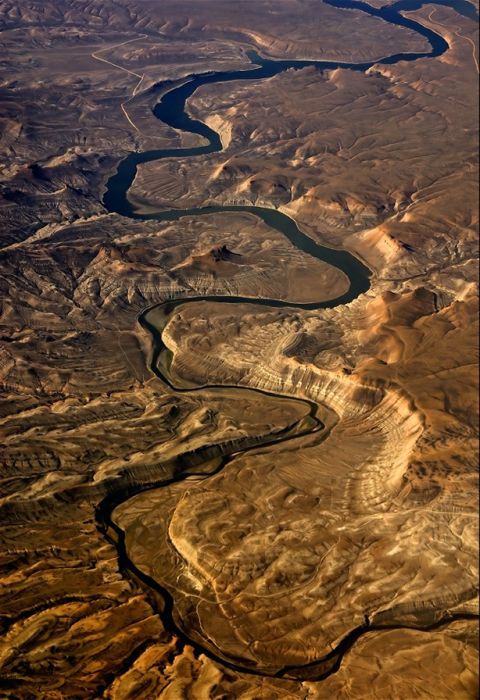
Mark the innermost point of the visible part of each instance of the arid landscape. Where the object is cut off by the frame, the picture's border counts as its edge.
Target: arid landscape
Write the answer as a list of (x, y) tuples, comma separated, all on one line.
[(239, 350)]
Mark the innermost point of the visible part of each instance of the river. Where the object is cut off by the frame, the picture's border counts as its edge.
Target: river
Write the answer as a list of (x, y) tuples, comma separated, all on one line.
[(171, 110)]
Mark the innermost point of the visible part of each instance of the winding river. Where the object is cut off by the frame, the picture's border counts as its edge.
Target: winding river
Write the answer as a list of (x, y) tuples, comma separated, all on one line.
[(171, 110)]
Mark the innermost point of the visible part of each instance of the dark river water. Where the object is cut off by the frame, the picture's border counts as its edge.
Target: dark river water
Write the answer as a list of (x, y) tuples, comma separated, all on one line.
[(170, 109)]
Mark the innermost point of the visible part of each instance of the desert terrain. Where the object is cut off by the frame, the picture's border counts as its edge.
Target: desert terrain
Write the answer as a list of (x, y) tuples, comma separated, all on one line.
[(239, 350)]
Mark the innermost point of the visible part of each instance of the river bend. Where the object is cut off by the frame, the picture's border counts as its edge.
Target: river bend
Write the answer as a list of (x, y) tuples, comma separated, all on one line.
[(171, 111)]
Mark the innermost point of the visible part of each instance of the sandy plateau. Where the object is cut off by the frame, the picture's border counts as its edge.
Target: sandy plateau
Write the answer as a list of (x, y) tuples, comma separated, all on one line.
[(249, 498)]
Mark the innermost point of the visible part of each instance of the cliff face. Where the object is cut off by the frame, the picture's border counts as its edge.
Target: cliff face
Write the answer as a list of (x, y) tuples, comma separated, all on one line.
[(333, 518)]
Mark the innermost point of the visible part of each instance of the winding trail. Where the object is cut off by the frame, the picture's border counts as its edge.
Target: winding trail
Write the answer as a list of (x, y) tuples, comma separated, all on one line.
[(96, 55), (171, 110)]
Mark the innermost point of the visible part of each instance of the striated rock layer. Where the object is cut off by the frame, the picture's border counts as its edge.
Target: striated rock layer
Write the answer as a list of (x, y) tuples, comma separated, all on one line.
[(337, 527)]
